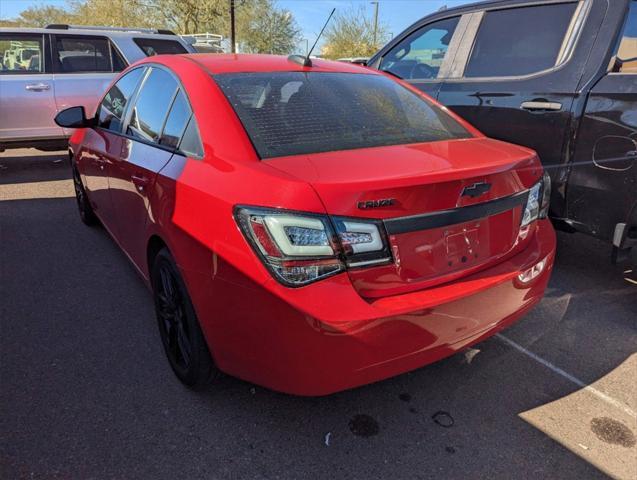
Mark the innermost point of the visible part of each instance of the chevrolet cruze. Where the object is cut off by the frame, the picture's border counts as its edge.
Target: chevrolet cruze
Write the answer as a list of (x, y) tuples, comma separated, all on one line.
[(309, 227)]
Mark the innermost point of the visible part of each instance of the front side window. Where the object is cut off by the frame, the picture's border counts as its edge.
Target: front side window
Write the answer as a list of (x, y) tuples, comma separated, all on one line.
[(20, 54), (420, 55), (112, 108), (292, 113), (152, 46), (627, 51), (152, 105), (86, 54), (519, 41)]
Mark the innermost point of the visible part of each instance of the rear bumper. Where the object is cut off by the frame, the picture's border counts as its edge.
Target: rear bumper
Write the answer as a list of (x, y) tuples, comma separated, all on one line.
[(327, 338)]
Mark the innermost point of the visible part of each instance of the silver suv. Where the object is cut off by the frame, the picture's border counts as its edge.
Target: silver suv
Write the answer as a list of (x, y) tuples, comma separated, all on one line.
[(45, 70)]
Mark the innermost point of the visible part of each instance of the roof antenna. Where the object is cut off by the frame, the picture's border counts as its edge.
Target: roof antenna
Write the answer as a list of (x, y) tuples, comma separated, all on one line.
[(305, 60)]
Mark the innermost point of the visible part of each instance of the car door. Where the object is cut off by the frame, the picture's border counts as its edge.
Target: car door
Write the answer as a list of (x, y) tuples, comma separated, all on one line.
[(144, 153), (423, 55), (27, 99), (83, 68), (602, 187), (102, 146), (517, 76)]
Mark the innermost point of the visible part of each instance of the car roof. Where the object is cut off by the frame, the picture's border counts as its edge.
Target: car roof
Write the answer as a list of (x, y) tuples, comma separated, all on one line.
[(217, 63), (93, 32), (480, 5)]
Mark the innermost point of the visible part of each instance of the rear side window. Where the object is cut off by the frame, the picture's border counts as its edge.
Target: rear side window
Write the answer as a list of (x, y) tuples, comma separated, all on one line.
[(176, 122), (291, 113), (420, 55), (112, 108), (20, 54), (152, 46), (191, 141), (151, 106), (519, 41), (627, 51), (76, 54)]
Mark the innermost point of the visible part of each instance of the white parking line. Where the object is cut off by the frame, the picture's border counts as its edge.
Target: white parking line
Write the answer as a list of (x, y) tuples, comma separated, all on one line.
[(568, 376)]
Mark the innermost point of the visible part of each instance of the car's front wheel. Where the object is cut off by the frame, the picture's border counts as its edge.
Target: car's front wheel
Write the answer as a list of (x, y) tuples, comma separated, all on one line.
[(179, 329), (86, 211)]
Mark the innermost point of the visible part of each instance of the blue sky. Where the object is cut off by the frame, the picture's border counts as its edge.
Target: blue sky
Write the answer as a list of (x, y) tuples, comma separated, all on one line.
[(396, 14), (309, 14)]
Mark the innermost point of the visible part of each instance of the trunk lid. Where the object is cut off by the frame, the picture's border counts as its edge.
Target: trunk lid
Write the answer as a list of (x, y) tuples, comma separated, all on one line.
[(450, 208)]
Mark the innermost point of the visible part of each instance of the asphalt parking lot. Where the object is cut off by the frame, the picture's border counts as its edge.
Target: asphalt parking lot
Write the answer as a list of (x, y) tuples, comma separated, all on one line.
[(86, 391)]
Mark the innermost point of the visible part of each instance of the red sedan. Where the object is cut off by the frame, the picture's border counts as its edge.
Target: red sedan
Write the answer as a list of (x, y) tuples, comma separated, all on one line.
[(309, 228)]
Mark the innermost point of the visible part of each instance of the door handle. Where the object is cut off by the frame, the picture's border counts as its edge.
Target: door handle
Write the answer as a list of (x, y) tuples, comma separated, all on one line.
[(541, 105), (37, 87), (139, 181)]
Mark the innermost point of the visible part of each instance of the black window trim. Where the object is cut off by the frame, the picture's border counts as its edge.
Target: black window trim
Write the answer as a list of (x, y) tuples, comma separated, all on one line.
[(46, 60), (112, 49), (170, 107), (133, 99)]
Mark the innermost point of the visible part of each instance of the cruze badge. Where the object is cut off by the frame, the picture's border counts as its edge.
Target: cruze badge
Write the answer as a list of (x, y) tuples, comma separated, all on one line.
[(476, 189), (383, 202)]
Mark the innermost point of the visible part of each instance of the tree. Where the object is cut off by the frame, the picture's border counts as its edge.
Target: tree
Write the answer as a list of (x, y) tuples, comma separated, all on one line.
[(262, 28), (39, 17), (351, 34), (191, 16), (113, 13)]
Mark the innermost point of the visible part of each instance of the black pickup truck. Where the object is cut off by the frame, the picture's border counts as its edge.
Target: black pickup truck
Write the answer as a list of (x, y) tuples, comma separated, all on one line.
[(558, 76)]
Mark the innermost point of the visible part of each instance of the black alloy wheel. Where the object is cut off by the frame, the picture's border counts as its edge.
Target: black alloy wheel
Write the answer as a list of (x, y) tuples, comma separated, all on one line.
[(179, 329), (87, 215)]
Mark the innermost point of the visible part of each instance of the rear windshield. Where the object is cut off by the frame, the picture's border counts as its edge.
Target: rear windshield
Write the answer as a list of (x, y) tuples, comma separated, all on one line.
[(292, 113)]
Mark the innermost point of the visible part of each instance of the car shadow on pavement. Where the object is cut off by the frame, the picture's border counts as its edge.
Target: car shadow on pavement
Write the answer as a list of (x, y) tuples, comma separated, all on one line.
[(20, 168)]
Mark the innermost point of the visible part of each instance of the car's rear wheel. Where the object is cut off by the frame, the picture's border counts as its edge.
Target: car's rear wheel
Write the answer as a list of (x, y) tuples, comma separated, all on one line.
[(179, 328), (84, 206)]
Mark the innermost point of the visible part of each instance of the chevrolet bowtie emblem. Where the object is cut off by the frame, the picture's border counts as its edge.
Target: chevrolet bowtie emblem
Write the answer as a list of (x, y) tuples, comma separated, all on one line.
[(476, 189)]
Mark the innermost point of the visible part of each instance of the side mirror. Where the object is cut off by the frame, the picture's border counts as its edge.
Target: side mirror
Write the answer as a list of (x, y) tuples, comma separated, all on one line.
[(73, 117)]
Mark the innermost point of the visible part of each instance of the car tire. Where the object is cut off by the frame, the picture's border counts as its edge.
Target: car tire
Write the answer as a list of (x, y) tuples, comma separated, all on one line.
[(87, 215), (181, 335)]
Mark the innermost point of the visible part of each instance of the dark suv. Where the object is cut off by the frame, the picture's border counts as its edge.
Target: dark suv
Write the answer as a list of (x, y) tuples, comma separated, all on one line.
[(557, 76)]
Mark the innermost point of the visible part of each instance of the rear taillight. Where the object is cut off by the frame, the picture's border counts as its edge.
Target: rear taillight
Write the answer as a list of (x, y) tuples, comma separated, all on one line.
[(546, 195), (537, 204), (301, 248)]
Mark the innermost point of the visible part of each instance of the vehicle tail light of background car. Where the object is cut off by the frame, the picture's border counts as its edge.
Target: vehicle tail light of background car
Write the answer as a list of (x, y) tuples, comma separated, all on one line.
[(537, 204), (300, 248)]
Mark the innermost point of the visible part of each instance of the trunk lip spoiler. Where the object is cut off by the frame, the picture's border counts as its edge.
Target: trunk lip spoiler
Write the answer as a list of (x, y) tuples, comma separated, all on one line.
[(454, 216)]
